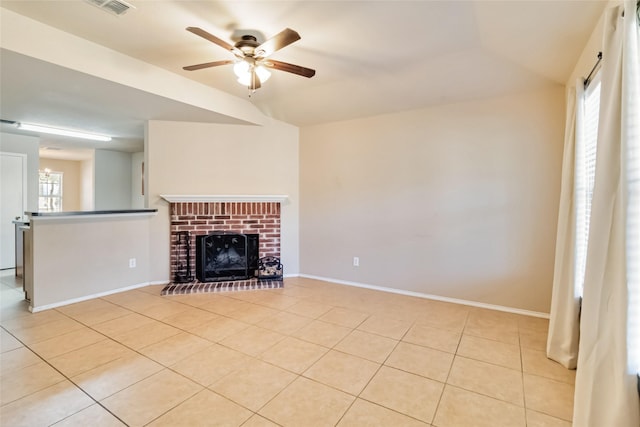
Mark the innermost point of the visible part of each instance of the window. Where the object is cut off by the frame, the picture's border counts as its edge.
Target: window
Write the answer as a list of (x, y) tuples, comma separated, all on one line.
[(50, 191), (633, 238), (633, 217), (586, 147), (633, 253)]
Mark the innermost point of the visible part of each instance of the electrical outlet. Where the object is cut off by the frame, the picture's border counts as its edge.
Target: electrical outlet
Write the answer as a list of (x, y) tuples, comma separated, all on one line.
[(132, 262), (356, 261)]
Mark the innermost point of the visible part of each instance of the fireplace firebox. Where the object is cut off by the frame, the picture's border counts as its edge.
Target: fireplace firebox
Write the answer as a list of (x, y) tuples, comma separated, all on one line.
[(226, 256)]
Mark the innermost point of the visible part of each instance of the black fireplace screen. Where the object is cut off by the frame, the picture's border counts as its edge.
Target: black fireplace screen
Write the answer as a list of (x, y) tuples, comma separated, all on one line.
[(226, 256)]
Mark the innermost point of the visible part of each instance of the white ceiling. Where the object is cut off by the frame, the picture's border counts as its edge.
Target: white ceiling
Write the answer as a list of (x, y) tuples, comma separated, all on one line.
[(371, 57)]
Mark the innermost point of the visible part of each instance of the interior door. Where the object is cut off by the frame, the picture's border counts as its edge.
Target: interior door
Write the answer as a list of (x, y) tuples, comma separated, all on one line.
[(13, 203)]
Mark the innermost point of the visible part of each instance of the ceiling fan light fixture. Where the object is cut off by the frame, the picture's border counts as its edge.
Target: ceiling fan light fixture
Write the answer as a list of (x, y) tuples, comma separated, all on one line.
[(245, 80), (242, 70), (62, 132), (263, 73)]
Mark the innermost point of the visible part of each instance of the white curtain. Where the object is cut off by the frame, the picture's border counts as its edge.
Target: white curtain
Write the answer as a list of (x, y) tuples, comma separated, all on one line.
[(606, 390), (562, 340)]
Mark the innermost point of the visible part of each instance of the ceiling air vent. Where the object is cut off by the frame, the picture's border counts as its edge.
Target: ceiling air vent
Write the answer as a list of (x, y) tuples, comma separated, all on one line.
[(116, 7)]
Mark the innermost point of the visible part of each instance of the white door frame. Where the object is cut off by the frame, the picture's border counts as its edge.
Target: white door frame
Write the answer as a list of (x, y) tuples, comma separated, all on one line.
[(25, 185), (23, 158)]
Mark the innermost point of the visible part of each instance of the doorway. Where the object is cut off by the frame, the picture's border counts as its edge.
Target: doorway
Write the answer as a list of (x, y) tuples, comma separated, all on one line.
[(13, 201)]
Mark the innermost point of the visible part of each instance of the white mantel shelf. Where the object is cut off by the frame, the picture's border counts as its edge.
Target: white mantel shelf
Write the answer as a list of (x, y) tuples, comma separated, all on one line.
[(224, 198)]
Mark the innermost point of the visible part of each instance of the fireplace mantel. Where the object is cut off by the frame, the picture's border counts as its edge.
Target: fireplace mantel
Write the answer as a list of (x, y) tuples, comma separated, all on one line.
[(224, 198)]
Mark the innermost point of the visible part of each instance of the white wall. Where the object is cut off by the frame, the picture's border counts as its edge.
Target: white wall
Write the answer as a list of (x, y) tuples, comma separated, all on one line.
[(458, 201), (112, 180), (86, 185), (80, 257), (28, 145), (208, 159), (137, 196)]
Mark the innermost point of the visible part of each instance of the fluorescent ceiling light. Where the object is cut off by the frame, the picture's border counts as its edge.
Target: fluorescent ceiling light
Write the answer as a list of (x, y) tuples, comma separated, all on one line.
[(63, 132)]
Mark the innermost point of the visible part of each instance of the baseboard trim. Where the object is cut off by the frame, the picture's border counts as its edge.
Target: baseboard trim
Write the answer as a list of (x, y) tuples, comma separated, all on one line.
[(92, 296), (431, 297), (325, 279)]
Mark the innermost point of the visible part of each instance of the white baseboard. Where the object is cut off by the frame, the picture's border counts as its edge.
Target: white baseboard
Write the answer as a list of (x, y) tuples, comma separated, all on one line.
[(431, 297), (325, 279), (92, 296)]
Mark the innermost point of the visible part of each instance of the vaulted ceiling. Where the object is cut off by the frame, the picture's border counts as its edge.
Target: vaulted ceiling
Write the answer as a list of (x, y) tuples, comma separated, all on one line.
[(371, 57)]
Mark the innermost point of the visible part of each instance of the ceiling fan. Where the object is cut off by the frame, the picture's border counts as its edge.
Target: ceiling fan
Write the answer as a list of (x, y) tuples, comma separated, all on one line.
[(253, 58)]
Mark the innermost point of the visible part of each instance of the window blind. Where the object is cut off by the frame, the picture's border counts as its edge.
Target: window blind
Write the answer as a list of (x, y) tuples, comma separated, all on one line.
[(586, 149), (633, 254), (633, 233), (633, 208)]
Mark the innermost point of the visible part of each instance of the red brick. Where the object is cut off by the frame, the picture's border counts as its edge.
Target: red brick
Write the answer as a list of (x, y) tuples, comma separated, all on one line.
[(238, 217)]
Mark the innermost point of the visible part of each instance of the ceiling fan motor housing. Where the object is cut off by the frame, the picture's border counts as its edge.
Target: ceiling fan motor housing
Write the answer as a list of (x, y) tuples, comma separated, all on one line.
[(247, 44)]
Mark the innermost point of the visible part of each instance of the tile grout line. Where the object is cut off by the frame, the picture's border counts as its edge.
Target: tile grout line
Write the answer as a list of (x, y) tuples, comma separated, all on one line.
[(446, 381), (218, 343), (358, 396), (524, 395), (365, 386), (119, 358), (169, 368), (68, 379), (301, 375), (283, 310)]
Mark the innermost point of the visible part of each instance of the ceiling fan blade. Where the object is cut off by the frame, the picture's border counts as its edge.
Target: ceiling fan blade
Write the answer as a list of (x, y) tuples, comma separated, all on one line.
[(290, 68), (207, 65), (282, 39), (208, 36)]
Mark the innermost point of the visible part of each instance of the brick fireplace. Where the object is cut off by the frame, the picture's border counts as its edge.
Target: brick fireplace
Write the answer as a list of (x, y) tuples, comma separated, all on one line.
[(205, 217)]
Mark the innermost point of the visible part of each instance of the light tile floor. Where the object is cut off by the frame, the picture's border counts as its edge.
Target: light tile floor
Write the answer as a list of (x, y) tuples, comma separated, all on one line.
[(310, 354)]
